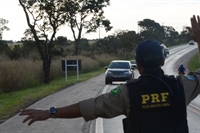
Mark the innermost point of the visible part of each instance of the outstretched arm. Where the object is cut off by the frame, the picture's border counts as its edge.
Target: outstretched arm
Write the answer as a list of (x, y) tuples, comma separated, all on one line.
[(71, 111), (195, 29)]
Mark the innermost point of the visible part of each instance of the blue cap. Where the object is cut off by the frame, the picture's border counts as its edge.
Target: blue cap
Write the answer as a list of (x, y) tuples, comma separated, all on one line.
[(149, 53)]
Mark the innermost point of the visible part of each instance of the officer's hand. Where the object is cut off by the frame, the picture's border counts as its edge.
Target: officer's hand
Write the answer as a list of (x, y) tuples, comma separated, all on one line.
[(195, 29), (34, 115)]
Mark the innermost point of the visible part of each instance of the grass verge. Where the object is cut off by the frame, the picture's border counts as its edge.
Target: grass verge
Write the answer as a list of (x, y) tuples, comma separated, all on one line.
[(11, 103), (194, 63)]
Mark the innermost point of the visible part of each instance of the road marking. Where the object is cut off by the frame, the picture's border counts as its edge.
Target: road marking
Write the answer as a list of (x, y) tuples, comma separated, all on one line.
[(105, 89), (194, 108), (99, 121), (99, 125)]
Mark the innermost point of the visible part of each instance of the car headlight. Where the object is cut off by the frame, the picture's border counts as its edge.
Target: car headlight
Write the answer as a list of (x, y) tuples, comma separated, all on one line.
[(109, 73), (126, 73)]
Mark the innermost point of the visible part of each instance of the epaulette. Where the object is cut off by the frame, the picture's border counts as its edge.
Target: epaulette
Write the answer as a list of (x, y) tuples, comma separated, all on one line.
[(131, 81), (190, 77), (170, 76)]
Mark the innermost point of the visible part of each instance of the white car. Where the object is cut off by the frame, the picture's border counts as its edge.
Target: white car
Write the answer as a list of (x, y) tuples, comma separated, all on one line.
[(191, 42), (133, 64), (165, 50)]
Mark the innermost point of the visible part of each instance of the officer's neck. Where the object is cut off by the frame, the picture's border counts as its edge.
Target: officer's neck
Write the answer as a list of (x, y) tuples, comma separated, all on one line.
[(143, 70)]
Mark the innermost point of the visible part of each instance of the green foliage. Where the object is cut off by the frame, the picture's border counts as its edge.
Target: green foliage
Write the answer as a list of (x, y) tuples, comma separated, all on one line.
[(151, 30), (46, 18), (84, 45), (14, 53), (127, 41), (20, 51), (185, 36), (3, 46), (57, 51), (3, 27), (164, 34), (61, 40), (88, 15), (110, 44)]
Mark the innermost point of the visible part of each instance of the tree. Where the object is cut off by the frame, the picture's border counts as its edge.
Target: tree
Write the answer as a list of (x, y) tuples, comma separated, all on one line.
[(3, 46), (28, 35), (111, 45), (14, 53), (46, 18), (85, 14), (170, 34), (3, 27), (151, 29), (61, 40), (84, 45), (185, 35), (127, 41)]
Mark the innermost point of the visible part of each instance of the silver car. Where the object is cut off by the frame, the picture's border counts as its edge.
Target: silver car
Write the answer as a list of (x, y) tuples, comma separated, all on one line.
[(119, 70)]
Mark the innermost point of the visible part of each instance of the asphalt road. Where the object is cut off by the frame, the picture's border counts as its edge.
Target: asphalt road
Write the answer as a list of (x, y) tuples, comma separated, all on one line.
[(70, 95), (75, 93)]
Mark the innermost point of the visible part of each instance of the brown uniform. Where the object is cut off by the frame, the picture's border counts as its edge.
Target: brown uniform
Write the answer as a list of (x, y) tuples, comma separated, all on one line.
[(117, 102)]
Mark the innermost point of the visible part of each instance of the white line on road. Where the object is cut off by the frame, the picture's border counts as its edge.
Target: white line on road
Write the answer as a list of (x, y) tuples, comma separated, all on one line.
[(99, 121), (194, 108), (99, 125)]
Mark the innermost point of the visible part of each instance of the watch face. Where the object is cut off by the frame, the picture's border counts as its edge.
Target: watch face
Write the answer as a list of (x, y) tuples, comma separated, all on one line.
[(52, 110)]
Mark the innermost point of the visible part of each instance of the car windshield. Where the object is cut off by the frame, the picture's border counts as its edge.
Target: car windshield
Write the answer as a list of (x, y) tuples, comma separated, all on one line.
[(123, 65)]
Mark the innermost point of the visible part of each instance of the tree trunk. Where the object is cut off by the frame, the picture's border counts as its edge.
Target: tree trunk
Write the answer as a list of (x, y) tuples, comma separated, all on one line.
[(46, 68), (76, 47)]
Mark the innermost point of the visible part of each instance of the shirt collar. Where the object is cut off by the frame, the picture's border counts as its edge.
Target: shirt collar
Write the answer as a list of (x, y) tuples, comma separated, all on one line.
[(153, 71)]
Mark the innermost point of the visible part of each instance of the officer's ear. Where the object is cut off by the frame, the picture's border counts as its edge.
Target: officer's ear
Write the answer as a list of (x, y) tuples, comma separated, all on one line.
[(139, 67), (163, 62)]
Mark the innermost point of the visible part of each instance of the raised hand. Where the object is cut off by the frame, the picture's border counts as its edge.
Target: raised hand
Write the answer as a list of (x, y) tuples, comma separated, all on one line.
[(34, 115), (195, 29)]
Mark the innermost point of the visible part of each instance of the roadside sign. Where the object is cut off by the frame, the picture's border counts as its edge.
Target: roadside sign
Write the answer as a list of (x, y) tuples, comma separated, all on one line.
[(69, 65)]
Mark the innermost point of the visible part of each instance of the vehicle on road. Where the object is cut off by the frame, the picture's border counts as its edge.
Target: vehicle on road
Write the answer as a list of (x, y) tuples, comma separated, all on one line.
[(119, 70), (165, 50), (181, 69), (133, 64), (191, 42)]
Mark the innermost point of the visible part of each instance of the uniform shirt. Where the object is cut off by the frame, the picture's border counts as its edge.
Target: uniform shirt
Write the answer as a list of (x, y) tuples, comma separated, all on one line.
[(116, 102)]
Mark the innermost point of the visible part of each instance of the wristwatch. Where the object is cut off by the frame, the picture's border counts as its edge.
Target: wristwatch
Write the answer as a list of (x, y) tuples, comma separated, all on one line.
[(52, 111)]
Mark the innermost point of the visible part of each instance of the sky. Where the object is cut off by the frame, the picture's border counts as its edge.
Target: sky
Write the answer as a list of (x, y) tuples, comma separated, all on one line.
[(123, 15)]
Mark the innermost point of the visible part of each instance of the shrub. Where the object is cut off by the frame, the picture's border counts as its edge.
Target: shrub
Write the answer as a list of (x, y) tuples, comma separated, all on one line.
[(26, 73), (19, 74)]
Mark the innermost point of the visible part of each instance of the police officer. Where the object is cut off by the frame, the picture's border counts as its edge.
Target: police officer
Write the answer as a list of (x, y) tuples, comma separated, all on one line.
[(153, 103), (157, 101)]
